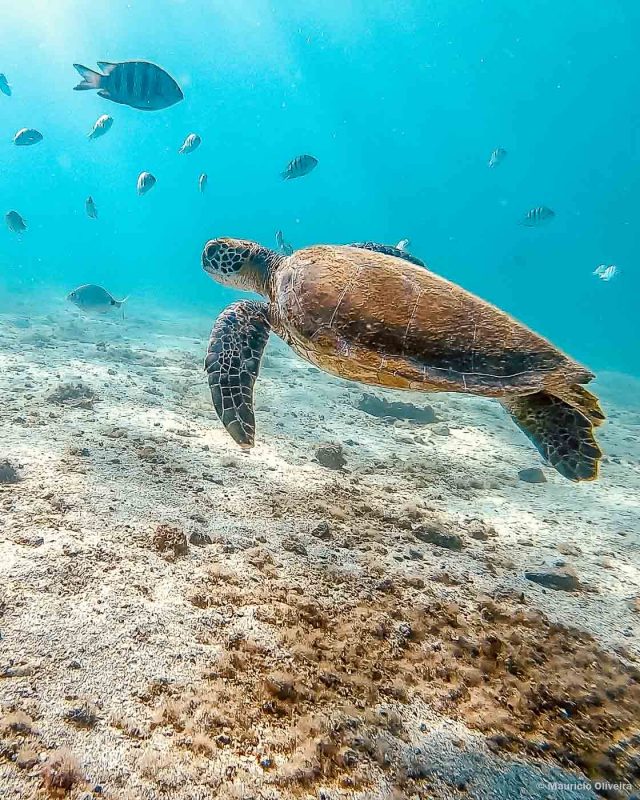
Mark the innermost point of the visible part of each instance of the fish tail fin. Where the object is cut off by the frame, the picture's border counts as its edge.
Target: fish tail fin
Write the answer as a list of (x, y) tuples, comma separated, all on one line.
[(120, 303), (91, 78), (285, 176)]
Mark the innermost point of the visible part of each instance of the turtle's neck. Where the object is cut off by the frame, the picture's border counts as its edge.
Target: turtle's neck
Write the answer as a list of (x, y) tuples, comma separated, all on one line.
[(264, 263)]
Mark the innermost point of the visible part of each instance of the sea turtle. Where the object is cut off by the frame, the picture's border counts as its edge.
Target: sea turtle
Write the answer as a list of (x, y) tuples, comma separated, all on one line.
[(370, 315)]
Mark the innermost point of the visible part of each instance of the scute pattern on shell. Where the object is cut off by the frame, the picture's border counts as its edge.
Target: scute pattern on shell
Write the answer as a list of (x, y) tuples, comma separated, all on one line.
[(366, 316)]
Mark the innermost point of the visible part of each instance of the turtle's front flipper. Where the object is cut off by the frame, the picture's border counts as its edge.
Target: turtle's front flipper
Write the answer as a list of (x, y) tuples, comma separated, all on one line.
[(237, 342), (562, 433)]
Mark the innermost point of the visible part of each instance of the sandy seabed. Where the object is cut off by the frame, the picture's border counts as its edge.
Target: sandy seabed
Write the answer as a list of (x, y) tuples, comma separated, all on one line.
[(179, 619)]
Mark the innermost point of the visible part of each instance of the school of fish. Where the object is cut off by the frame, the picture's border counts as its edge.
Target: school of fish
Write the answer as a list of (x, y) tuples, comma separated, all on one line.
[(146, 86)]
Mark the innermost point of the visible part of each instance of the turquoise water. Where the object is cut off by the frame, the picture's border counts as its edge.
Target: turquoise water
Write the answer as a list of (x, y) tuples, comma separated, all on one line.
[(402, 103)]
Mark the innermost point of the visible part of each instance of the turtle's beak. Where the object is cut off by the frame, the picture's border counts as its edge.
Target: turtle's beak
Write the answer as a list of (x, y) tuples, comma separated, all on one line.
[(211, 249)]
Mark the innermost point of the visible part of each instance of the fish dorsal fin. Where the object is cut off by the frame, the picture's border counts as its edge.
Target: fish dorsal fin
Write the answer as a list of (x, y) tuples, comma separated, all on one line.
[(107, 66)]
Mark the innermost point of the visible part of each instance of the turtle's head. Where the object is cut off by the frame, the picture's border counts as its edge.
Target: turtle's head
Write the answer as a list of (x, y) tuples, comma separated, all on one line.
[(239, 263)]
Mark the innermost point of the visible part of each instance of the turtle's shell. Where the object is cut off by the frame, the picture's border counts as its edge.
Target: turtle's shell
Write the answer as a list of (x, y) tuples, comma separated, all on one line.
[(373, 318)]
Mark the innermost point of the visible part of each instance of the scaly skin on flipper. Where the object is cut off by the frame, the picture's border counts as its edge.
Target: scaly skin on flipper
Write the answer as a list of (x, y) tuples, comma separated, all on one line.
[(370, 315), (237, 342), (561, 434), (582, 399)]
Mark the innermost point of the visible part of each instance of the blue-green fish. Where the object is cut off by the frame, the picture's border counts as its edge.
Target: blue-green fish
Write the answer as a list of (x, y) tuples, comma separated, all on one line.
[(139, 84), (202, 182), (301, 165), (101, 126), (283, 246), (497, 157), (91, 208), (606, 273), (15, 222), (191, 143), (90, 297), (27, 136), (146, 181), (5, 88)]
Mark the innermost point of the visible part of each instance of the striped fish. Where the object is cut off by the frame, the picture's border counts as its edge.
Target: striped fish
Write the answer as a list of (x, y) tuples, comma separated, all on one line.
[(538, 216), (191, 143), (302, 165), (146, 182), (139, 84)]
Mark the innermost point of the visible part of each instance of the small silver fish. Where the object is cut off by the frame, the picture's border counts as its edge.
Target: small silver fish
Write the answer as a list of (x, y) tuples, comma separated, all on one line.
[(283, 247), (90, 297), (146, 182), (202, 182), (5, 87), (191, 143), (27, 136), (301, 165), (538, 216), (101, 126), (497, 157), (90, 207), (606, 273), (15, 222), (139, 84), (403, 244)]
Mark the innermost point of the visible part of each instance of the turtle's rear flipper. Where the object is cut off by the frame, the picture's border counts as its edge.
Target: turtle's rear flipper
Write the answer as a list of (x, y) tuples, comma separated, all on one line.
[(584, 401), (237, 342), (562, 434)]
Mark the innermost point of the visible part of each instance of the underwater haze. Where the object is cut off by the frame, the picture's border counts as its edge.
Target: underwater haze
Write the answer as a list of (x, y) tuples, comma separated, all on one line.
[(402, 103), (326, 588)]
